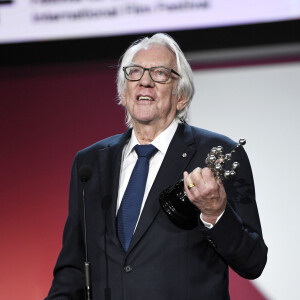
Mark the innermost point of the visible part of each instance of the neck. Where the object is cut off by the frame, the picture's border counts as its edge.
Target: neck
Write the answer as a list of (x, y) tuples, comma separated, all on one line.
[(146, 133)]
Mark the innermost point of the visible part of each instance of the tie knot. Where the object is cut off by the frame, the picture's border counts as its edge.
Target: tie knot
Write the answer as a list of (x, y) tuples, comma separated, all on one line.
[(145, 150)]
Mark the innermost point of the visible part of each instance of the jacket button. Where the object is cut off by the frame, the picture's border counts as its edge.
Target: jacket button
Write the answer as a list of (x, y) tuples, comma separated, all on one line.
[(211, 242), (128, 269)]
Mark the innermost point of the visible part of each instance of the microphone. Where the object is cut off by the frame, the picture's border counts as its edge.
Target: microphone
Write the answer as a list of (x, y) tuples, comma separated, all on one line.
[(85, 172)]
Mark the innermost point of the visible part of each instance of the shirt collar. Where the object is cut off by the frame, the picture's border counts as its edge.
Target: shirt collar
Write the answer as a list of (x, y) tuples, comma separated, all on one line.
[(161, 142)]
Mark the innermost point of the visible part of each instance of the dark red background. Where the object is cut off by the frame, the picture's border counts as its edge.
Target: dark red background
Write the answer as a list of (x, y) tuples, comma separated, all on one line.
[(47, 114)]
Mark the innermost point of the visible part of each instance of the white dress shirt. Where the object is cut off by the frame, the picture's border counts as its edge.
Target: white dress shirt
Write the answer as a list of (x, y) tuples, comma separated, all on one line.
[(129, 159)]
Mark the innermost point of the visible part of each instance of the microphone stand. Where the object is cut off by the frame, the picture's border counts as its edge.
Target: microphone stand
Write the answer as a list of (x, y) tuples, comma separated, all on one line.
[(87, 264), (85, 173)]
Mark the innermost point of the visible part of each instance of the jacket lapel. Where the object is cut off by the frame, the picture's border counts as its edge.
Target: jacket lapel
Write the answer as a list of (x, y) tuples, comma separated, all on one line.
[(109, 160), (180, 152)]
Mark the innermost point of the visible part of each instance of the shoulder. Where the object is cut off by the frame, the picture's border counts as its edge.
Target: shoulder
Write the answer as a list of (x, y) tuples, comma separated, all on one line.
[(203, 138), (105, 143), (111, 141)]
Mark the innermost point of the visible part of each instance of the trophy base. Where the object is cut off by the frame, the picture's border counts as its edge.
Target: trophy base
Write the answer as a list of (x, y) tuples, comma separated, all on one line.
[(178, 207)]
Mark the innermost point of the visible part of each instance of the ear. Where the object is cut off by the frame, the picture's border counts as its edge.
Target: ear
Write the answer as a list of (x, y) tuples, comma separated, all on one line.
[(123, 98), (182, 102)]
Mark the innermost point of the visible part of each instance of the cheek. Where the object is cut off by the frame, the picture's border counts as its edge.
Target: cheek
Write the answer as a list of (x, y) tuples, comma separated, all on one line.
[(168, 95), (128, 94)]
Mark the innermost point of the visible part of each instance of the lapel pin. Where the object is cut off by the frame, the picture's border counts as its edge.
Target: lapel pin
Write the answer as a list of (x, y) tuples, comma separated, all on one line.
[(184, 154)]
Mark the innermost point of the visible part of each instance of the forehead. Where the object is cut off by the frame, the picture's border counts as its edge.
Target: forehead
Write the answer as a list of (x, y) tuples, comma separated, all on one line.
[(155, 55)]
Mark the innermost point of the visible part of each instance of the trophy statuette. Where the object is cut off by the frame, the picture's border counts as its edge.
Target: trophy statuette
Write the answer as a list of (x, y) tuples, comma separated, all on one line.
[(174, 200)]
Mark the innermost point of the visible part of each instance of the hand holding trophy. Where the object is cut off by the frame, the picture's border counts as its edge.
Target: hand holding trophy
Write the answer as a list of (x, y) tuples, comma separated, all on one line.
[(174, 200)]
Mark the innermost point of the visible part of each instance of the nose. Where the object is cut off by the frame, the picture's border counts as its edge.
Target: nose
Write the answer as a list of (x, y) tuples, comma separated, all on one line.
[(146, 79)]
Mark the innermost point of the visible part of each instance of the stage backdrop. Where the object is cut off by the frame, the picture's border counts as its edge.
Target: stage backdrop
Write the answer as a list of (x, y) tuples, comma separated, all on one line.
[(262, 104), (47, 114)]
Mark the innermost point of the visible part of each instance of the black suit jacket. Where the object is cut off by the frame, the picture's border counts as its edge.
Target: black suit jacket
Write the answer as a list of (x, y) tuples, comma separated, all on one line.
[(163, 261)]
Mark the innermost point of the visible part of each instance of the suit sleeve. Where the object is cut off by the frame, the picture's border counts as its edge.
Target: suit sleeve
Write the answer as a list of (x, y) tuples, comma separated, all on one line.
[(237, 236), (68, 281)]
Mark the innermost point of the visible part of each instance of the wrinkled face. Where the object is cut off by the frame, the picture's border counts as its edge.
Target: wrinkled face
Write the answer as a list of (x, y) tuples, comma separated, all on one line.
[(149, 102)]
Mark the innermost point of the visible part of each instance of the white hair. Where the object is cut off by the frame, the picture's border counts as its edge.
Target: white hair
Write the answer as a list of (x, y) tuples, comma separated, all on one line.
[(185, 85)]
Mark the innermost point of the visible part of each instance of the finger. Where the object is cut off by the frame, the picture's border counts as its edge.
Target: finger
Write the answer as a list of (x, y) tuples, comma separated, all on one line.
[(209, 178), (211, 185), (208, 175), (220, 182), (197, 178), (222, 191), (187, 181)]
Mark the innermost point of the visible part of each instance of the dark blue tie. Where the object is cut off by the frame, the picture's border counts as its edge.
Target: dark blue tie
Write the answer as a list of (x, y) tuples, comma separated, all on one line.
[(132, 200)]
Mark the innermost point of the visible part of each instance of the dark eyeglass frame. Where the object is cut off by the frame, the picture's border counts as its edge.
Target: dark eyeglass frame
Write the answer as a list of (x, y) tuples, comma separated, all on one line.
[(149, 71)]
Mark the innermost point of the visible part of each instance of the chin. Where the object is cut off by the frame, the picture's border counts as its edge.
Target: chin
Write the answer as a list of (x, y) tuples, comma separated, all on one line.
[(144, 118), (144, 121)]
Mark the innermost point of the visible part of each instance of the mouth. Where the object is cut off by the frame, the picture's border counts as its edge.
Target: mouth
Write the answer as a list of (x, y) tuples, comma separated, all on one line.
[(146, 98)]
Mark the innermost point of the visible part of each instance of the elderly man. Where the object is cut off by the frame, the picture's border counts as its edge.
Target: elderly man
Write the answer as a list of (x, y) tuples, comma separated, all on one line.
[(136, 252)]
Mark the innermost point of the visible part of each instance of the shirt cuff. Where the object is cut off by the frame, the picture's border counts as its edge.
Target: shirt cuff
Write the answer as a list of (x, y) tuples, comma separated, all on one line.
[(209, 225)]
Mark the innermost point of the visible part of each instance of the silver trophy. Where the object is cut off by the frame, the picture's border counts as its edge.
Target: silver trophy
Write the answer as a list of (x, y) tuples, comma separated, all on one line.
[(215, 161), (174, 200)]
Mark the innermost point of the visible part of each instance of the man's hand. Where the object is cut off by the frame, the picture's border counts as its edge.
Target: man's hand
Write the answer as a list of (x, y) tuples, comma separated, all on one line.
[(208, 194)]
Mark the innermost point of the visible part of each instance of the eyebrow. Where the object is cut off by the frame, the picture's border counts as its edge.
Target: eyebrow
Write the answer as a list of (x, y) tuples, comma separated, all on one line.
[(137, 65)]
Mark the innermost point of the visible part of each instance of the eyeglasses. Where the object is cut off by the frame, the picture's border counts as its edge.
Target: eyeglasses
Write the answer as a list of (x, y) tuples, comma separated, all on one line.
[(157, 74)]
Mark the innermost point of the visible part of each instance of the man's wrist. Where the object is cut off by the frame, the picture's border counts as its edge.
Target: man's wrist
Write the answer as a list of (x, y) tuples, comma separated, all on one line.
[(210, 224)]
